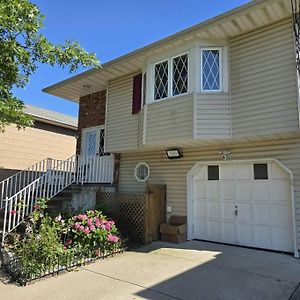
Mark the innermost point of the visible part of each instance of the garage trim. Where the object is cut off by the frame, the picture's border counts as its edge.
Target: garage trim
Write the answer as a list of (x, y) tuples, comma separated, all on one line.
[(194, 171)]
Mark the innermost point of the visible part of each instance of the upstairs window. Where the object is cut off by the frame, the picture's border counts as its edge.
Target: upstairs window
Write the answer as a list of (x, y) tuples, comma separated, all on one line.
[(161, 80), (211, 70), (171, 77), (180, 75)]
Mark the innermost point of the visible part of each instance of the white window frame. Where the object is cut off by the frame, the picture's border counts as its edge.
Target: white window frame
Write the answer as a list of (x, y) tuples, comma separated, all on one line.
[(220, 49), (170, 77), (135, 172), (83, 136)]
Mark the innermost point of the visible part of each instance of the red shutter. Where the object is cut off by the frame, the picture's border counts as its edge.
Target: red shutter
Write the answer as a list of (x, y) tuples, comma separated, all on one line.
[(137, 94)]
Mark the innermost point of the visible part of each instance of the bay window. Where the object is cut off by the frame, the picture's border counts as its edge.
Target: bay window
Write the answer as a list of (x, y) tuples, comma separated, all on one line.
[(211, 70), (171, 77)]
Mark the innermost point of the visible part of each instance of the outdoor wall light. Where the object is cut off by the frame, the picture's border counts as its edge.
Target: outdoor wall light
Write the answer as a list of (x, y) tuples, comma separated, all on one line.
[(173, 154)]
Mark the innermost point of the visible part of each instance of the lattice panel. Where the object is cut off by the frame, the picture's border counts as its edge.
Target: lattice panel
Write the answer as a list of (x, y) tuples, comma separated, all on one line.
[(128, 210)]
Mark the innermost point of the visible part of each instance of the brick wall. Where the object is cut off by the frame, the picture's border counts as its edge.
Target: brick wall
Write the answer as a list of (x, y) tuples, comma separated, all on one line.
[(91, 113)]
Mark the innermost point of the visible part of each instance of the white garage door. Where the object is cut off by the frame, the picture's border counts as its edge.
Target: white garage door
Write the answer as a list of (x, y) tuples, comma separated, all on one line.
[(245, 204)]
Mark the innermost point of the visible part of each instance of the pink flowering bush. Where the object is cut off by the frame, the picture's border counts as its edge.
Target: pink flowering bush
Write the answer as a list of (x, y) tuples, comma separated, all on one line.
[(93, 230)]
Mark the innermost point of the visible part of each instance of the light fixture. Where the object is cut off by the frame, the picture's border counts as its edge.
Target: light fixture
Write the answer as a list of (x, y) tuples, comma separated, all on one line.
[(224, 154), (173, 153)]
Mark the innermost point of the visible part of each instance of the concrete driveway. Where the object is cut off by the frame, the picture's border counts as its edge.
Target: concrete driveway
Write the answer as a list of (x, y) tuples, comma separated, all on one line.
[(193, 270)]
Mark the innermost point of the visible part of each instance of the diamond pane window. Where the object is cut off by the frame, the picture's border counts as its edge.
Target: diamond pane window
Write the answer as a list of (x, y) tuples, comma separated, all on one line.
[(180, 75), (91, 143), (101, 143), (142, 172), (211, 70), (161, 80)]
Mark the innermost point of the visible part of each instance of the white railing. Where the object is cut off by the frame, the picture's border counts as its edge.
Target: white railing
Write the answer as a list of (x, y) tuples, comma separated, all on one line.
[(76, 169), (18, 181), (95, 169)]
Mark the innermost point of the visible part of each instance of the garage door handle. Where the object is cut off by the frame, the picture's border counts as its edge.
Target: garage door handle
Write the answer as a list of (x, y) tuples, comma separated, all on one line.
[(236, 211)]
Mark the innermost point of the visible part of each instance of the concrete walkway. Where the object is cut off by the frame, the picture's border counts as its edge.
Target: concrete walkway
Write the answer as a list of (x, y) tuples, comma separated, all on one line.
[(193, 270)]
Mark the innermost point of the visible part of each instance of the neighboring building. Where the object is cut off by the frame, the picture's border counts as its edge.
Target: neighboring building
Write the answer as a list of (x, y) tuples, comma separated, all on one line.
[(224, 93), (52, 135)]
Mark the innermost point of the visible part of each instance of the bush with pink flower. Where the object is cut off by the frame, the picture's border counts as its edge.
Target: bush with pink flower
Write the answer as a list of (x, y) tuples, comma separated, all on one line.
[(92, 230)]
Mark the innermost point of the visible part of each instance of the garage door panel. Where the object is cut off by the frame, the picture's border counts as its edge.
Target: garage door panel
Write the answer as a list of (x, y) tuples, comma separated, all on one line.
[(263, 236), (277, 172), (213, 230), (229, 232), (212, 190), (260, 191), (213, 209), (200, 229), (245, 234), (227, 172), (280, 191), (199, 189), (228, 210), (243, 191), (243, 171), (200, 208), (280, 238), (244, 212), (227, 190), (262, 214), (280, 214)]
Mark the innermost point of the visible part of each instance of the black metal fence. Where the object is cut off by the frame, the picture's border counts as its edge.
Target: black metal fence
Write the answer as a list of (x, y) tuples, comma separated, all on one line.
[(12, 266)]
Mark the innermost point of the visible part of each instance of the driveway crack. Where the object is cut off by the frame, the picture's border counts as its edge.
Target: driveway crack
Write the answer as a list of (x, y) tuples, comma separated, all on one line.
[(133, 283)]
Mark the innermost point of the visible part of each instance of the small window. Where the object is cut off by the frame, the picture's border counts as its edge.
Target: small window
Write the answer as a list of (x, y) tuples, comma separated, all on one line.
[(213, 172), (211, 70), (260, 171), (142, 172), (161, 80), (180, 75)]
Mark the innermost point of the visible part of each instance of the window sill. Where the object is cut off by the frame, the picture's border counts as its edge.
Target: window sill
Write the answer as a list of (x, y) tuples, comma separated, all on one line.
[(169, 99)]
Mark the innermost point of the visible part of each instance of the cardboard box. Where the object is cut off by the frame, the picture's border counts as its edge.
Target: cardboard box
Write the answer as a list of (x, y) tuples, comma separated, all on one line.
[(175, 231)]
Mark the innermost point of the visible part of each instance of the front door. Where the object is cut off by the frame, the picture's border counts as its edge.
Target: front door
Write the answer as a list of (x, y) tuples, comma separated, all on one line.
[(93, 141)]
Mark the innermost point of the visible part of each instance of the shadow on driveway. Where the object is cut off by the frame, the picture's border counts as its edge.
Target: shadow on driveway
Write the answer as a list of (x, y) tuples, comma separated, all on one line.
[(224, 272)]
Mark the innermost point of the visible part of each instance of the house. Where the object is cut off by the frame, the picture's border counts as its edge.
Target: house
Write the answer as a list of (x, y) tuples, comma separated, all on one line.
[(52, 135), (212, 112)]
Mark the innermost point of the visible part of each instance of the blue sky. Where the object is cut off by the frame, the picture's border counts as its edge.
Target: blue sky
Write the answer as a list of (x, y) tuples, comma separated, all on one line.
[(111, 28)]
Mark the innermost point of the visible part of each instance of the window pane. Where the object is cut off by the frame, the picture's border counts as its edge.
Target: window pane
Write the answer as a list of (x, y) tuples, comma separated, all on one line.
[(161, 80), (213, 172), (211, 70), (260, 171), (180, 75)]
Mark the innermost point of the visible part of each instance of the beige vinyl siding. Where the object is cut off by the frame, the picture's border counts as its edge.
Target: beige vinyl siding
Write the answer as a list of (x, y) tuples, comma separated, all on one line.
[(170, 119), (173, 172), (20, 149), (263, 82), (140, 128), (121, 124), (213, 116)]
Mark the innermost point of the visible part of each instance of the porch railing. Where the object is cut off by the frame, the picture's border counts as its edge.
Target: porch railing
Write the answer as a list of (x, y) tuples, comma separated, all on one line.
[(76, 169)]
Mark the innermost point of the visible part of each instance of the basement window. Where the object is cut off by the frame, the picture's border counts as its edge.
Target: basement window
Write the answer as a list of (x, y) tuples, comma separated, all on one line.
[(260, 171), (142, 172), (213, 172)]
